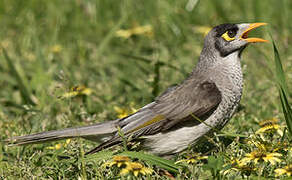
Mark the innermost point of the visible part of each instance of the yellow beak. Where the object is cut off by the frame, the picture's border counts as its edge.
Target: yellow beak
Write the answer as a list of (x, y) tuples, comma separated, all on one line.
[(252, 26)]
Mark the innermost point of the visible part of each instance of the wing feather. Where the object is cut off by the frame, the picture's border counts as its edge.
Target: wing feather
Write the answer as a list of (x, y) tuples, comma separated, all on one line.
[(172, 107)]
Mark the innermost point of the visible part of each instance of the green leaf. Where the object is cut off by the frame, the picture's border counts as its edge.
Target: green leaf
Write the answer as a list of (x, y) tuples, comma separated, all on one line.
[(215, 165)]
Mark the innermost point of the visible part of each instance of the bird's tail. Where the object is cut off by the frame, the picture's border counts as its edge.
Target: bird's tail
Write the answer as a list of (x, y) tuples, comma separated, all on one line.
[(92, 132)]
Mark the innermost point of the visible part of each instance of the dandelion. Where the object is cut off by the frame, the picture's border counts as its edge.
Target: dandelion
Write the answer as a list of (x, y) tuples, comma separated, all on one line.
[(263, 145), (269, 126), (77, 91), (259, 142), (193, 159), (59, 145), (136, 30), (119, 161), (29, 56), (237, 163), (5, 44), (286, 170), (268, 146), (56, 48), (268, 122), (239, 166), (259, 155), (282, 146), (124, 112), (269, 129), (136, 168), (56, 147)]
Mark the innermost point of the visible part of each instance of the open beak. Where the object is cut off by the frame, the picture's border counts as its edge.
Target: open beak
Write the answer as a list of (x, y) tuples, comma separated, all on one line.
[(252, 26)]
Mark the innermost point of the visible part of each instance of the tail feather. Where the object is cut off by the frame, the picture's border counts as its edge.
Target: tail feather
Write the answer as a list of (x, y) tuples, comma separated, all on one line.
[(97, 131)]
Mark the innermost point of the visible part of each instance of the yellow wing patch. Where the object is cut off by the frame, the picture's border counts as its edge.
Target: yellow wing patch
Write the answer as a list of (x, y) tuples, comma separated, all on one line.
[(152, 121)]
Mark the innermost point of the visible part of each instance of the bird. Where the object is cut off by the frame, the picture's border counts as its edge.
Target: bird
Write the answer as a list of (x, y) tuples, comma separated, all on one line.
[(183, 114)]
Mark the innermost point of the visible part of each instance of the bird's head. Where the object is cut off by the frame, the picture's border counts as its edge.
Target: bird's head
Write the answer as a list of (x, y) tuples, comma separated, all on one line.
[(229, 38)]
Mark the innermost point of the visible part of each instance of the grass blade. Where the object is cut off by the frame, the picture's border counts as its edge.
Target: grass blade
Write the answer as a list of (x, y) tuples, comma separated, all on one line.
[(102, 155), (149, 61), (282, 86), (25, 95), (155, 84), (280, 75), (286, 110), (129, 83), (102, 46)]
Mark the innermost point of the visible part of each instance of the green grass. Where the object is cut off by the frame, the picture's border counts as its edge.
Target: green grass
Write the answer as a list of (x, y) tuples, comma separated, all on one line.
[(48, 47)]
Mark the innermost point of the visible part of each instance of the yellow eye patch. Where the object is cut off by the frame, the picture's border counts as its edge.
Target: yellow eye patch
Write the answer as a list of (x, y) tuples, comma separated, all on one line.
[(226, 36)]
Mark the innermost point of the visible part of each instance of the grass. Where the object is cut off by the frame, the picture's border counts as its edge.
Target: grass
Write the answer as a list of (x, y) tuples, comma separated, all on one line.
[(48, 47)]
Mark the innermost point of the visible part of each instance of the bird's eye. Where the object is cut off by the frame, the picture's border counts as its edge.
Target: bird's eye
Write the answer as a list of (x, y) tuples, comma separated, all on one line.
[(229, 35)]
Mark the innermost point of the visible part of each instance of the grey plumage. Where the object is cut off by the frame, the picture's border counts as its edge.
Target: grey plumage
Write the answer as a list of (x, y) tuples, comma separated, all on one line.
[(211, 92), (88, 132)]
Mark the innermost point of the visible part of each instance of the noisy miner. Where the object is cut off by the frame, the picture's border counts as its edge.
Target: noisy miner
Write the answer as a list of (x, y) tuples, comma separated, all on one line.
[(183, 114)]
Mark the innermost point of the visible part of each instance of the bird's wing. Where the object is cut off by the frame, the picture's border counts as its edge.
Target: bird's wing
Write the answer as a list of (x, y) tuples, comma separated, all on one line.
[(176, 105), (192, 97)]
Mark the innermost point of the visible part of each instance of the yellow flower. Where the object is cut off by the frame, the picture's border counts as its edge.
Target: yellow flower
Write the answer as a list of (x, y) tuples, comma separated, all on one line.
[(282, 146), (136, 30), (259, 142), (67, 142), (268, 122), (29, 56), (269, 126), (192, 159), (286, 170), (136, 168), (56, 147), (56, 48), (260, 155), (269, 129), (237, 165), (77, 91), (268, 146), (6, 43), (118, 161), (124, 112), (59, 145)]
